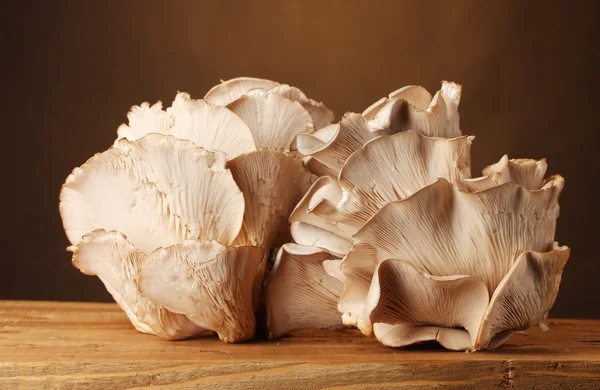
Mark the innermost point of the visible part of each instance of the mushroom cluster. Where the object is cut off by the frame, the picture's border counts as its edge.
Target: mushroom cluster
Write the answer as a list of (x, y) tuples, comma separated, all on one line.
[(179, 216), (396, 237)]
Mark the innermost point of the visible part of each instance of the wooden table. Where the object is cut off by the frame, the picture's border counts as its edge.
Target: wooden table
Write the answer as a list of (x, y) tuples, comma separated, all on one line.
[(93, 346)]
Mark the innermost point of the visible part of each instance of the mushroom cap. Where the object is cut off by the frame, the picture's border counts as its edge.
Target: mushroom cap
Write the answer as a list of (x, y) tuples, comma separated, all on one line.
[(332, 145), (384, 170), (524, 296), (299, 293), (526, 172), (230, 90), (208, 283), (117, 263), (402, 295), (207, 125), (273, 120), (272, 183), (445, 231), (157, 190), (405, 110)]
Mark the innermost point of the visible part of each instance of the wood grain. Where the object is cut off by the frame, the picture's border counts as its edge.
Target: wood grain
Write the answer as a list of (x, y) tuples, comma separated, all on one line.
[(52, 345)]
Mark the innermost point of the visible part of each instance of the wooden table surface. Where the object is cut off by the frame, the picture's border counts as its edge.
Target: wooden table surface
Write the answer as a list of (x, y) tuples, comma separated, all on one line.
[(93, 346)]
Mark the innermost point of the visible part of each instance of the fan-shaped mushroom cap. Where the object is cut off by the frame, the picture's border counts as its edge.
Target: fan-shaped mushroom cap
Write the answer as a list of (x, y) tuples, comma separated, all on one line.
[(272, 183), (318, 168), (158, 191), (526, 172), (401, 295), (310, 235), (320, 114), (145, 119), (414, 95), (445, 231), (207, 282), (207, 125), (332, 145), (356, 275), (405, 111), (117, 263), (273, 120), (233, 89), (384, 170), (355, 271), (304, 222), (299, 293), (525, 295)]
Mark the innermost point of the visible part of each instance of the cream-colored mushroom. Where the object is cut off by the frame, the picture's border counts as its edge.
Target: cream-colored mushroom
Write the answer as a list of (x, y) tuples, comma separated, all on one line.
[(157, 191), (402, 296), (209, 126), (414, 95), (299, 293), (527, 172), (320, 114), (524, 296), (405, 110), (384, 170), (445, 231), (419, 226), (208, 283), (409, 108), (117, 263), (231, 90), (332, 145), (167, 186), (273, 120)]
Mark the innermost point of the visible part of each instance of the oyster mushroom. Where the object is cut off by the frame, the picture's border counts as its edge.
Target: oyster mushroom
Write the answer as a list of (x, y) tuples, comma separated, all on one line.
[(231, 90), (305, 297), (427, 252), (409, 108), (210, 283), (118, 263), (199, 192), (384, 170), (154, 192)]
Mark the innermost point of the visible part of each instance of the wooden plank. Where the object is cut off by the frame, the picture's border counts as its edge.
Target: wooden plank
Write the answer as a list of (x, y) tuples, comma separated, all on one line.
[(93, 346)]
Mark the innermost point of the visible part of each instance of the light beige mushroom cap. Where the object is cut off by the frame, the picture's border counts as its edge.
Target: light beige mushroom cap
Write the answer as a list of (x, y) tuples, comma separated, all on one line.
[(208, 283), (409, 108), (384, 170), (231, 90), (402, 295), (154, 192), (445, 231), (273, 120), (404, 305), (334, 144), (405, 110), (524, 296), (299, 293), (117, 263), (158, 191), (207, 125)]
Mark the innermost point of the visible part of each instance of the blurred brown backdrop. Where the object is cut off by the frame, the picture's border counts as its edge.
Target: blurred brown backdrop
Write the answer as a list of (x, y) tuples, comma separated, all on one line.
[(72, 69)]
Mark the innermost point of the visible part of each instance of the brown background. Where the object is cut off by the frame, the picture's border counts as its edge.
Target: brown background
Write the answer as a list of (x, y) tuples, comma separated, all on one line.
[(72, 70)]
